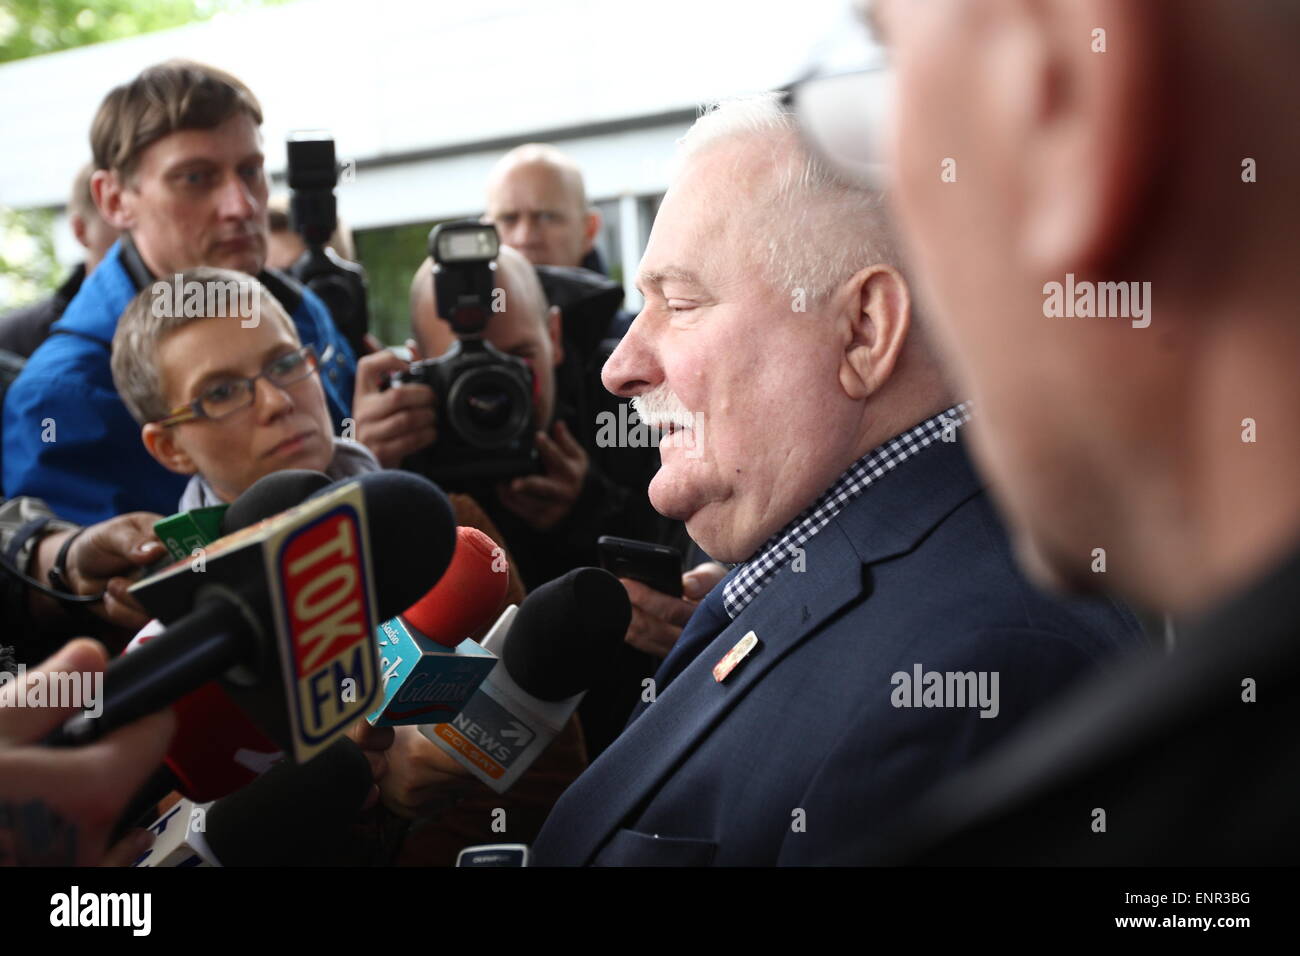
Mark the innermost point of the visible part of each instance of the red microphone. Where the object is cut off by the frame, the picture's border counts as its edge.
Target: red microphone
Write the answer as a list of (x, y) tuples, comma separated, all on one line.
[(217, 749), (467, 596)]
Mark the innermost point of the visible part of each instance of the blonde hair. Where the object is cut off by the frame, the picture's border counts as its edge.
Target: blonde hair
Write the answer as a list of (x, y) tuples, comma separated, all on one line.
[(145, 323)]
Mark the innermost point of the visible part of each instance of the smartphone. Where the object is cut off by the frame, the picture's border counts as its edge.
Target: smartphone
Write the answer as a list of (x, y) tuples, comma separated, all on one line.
[(656, 565)]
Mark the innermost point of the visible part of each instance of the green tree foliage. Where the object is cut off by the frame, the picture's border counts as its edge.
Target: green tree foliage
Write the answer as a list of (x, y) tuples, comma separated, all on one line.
[(32, 27), (28, 266)]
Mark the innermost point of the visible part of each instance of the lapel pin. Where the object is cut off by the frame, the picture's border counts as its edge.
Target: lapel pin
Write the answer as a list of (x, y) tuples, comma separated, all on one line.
[(724, 667)]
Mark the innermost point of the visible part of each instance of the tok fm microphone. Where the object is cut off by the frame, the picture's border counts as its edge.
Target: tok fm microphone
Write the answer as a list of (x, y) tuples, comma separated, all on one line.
[(283, 612)]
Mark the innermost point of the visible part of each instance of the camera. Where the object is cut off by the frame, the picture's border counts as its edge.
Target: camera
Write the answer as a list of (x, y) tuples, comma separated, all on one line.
[(485, 397), (313, 211)]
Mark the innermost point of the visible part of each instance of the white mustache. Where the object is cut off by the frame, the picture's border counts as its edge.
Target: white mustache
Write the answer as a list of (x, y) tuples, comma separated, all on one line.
[(660, 406)]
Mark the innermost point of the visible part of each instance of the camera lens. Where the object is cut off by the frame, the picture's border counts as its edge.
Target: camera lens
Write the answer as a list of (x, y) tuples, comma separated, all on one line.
[(489, 407)]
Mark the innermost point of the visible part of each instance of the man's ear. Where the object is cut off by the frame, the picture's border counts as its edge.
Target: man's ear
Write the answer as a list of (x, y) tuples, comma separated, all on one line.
[(1092, 127), (591, 229), (879, 315), (555, 332), (79, 230), (109, 191), (161, 443)]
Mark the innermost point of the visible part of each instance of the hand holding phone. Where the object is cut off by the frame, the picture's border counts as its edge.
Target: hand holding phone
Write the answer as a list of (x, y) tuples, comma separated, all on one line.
[(657, 619), (657, 565)]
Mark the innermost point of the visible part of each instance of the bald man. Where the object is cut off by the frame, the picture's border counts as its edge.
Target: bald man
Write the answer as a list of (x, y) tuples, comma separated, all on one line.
[(551, 521), (537, 200)]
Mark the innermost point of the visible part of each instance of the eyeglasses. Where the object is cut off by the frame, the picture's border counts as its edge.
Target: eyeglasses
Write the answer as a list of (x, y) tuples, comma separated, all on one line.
[(230, 395), (844, 104)]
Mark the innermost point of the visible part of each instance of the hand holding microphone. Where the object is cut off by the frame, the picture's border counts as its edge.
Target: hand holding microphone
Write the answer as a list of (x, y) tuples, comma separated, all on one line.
[(58, 807), (100, 559), (374, 744), (422, 779)]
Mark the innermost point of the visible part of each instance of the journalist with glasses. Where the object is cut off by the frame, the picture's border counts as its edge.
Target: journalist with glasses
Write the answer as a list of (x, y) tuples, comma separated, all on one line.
[(223, 398)]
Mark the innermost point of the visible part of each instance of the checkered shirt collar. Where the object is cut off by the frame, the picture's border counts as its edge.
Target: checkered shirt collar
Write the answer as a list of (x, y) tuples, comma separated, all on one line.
[(779, 549)]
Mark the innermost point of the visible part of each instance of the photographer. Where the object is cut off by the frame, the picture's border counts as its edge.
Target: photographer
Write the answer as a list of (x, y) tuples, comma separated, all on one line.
[(551, 519)]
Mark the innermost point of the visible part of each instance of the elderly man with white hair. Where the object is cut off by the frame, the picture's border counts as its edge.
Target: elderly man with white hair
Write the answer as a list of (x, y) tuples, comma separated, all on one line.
[(814, 442)]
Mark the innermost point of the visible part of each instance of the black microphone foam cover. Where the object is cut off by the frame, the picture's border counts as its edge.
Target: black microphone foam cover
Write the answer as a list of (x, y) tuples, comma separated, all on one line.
[(412, 535), (566, 632), (294, 814), (271, 494)]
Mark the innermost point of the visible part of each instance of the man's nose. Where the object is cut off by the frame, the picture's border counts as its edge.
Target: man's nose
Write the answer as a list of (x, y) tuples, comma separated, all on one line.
[(633, 367), (530, 229), (237, 200)]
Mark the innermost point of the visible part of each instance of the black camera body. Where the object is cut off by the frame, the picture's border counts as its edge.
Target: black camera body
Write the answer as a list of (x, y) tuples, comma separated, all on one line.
[(485, 398), (313, 211)]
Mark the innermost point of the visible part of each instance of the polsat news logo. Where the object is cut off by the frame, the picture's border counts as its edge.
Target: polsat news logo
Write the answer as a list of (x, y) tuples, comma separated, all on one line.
[(327, 608)]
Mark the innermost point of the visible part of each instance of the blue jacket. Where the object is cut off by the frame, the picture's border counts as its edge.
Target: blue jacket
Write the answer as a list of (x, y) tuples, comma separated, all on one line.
[(69, 439), (804, 746)]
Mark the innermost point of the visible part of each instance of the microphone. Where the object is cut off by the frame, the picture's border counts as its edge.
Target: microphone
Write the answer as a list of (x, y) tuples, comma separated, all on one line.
[(271, 494), (217, 749), (282, 611), (468, 594), (552, 648), (185, 531), (430, 665), (179, 838), (293, 815)]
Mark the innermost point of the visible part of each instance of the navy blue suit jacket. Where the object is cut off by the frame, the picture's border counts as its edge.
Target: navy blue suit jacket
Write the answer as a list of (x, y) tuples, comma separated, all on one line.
[(802, 747)]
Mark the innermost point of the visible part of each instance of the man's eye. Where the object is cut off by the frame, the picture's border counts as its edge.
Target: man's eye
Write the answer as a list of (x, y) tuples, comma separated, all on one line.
[(195, 178), (251, 172)]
